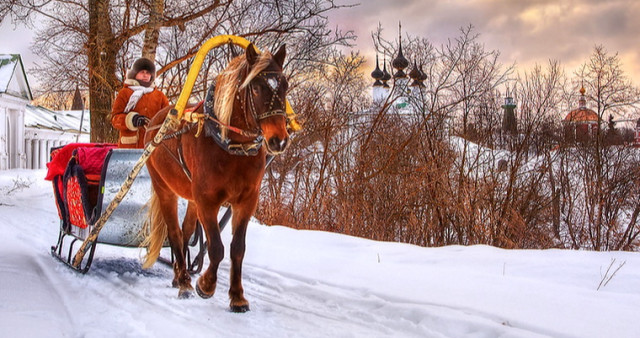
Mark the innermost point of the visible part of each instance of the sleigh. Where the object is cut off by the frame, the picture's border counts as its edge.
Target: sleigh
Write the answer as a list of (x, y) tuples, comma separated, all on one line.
[(85, 178)]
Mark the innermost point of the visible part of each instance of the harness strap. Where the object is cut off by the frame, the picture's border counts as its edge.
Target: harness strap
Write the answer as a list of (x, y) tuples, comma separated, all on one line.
[(232, 128), (178, 136), (189, 116), (180, 157), (178, 133), (240, 149)]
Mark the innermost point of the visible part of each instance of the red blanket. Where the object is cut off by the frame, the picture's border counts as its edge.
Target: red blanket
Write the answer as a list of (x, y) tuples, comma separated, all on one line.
[(61, 156), (92, 159)]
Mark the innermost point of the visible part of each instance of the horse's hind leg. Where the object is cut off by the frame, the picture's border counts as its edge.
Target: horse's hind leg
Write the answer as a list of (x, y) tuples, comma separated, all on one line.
[(189, 225), (189, 222), (169, 208)]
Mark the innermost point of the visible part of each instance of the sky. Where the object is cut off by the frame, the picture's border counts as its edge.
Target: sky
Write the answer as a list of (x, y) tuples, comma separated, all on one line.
[(303, 283), (16, 39), (525, 31)]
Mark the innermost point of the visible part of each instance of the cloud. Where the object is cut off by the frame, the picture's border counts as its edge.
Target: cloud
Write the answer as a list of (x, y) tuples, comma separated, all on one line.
[(527, 31)]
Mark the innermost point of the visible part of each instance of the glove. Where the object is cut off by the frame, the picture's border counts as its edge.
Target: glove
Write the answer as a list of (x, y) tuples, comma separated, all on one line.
[(140, 120)]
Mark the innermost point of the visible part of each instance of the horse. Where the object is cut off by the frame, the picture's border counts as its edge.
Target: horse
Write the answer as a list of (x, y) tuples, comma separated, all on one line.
[(245, 120)]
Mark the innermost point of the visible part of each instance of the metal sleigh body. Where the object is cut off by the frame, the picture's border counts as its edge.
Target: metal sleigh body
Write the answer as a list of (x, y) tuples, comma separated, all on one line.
[(124, 225), (125, 185)]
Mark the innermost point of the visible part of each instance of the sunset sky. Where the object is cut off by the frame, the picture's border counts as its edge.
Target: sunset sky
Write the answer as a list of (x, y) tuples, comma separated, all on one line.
[(525, 31)]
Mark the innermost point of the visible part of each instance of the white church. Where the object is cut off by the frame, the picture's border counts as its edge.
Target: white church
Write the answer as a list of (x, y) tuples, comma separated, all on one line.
[(27, 132)]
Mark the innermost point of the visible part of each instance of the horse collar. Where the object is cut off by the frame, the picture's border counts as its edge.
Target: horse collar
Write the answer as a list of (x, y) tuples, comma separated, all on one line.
[(213, 130)]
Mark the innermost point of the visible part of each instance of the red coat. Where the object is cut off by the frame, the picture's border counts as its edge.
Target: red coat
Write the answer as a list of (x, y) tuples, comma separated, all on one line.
[(148, 105)]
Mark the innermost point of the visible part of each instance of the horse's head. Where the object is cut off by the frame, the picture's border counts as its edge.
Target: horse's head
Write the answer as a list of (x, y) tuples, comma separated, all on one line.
[(266, 87), (250, 95)]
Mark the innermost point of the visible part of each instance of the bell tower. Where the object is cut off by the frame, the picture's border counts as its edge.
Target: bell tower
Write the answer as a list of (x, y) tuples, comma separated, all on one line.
[(509, 124)]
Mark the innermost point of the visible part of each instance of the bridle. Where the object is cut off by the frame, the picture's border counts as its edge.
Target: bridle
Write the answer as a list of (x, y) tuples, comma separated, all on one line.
[(273, 85), (247, 103)]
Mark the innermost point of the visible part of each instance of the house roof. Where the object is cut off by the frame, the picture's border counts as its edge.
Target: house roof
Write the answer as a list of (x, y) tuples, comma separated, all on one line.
[(42, 118), (13, 79)]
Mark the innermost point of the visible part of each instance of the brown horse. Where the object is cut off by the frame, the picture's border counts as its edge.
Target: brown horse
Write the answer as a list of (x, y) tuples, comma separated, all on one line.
[(245, 121)]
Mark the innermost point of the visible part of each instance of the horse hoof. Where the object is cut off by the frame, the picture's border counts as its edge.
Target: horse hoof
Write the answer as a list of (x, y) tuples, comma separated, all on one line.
[(201, 293), (175, 283), (239, 308), (185, 294)]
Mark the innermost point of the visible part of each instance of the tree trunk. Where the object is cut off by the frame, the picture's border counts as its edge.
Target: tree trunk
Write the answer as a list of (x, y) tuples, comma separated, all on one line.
[(152, 32), (102, 68)]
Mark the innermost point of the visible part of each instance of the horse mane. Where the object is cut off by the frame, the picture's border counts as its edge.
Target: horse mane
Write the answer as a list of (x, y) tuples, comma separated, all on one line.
[(228, 83)]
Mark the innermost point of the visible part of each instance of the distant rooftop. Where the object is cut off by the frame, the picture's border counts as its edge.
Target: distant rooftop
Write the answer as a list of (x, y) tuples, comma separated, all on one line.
[(13, 79), (43, 118)]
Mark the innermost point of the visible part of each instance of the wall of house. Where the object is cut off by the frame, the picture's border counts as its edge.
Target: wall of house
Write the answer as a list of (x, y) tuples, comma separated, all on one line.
[(39, 142), (4, 145), (27, 147), (12, 153)]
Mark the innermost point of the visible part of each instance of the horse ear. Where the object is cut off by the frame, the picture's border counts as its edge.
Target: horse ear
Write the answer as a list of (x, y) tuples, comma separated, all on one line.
[(278, 57), (251, 54)]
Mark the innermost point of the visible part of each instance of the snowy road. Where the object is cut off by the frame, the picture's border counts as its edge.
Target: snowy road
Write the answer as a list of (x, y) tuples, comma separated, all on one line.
[(308, 284)]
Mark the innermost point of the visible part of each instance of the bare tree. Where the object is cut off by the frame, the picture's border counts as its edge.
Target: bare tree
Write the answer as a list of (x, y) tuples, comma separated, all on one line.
[(307, 188), (389, 171), (540, 101), (604, 171), (411, 172), (81, 37), (104, 36)]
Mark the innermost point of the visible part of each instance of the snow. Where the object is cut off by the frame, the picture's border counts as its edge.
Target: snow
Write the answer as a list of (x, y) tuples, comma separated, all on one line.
[(69, 120), (307, 284)]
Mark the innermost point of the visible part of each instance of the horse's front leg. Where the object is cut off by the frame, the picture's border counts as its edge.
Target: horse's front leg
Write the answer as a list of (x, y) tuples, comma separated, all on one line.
[(206, 284), (242, 212)]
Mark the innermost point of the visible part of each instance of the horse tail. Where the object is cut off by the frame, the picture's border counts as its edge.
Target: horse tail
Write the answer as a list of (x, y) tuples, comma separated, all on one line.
[(155, 230)]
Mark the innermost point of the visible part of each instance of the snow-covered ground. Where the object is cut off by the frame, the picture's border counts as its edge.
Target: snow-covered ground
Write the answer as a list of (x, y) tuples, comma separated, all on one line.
[(308, 284)]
